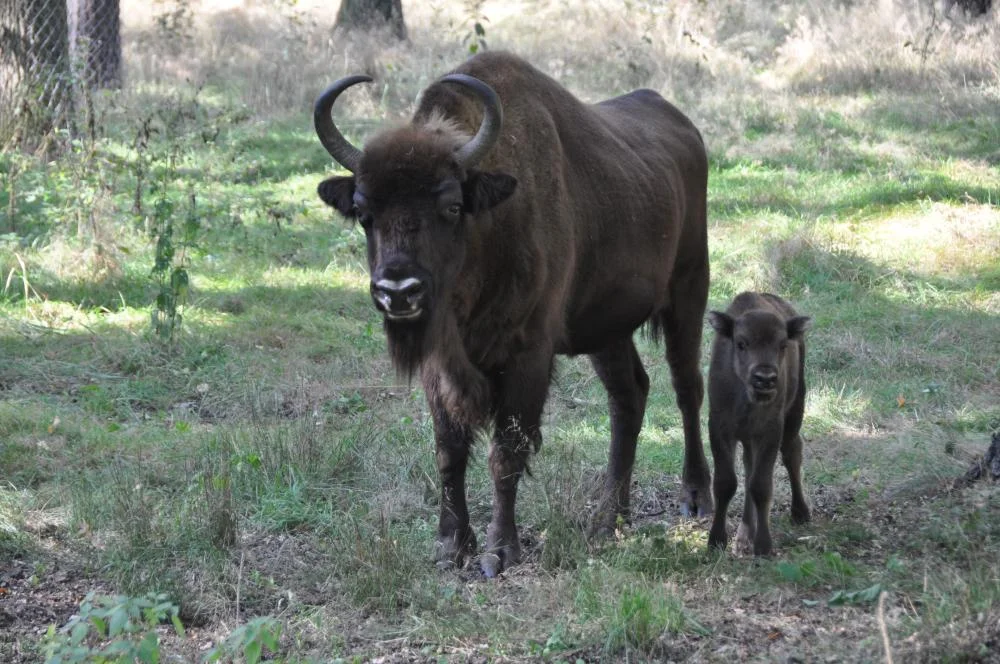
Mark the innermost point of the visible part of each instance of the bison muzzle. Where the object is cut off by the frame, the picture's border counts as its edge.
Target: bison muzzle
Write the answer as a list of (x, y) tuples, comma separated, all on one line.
[(508, 222), (756, 395)]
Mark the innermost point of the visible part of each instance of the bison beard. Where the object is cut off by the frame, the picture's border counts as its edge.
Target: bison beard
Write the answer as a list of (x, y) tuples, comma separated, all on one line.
[(406, 345), (433, 346)]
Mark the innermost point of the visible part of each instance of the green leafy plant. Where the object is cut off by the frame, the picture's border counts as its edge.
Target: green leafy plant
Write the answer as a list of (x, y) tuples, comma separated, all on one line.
[(170, 267), (864, 596), (248, 640), (112, 629), (475, 38), (640, 618)]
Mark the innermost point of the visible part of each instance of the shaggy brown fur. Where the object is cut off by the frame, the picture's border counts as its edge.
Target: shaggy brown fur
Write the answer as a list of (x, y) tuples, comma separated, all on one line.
[(582, 223)]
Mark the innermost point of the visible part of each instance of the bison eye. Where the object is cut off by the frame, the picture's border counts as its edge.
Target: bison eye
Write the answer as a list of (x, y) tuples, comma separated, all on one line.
[(741, 345), (454, 210)]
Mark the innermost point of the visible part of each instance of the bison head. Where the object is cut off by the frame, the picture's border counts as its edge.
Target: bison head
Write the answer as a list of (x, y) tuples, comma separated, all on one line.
[(758, 347), (414, 190)]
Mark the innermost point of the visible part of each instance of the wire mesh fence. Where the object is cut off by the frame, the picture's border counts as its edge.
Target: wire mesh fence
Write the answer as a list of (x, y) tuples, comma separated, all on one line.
[(50, 51)]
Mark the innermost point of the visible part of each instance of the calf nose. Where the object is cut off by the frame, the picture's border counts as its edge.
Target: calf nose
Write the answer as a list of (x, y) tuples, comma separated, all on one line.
[(764, 378), (398, 298)]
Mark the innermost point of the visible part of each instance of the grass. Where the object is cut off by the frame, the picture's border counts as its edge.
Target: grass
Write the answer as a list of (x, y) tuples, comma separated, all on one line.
[(267, 462)]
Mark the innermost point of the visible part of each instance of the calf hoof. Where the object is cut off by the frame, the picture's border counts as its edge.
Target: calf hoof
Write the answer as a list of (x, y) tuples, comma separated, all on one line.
[(605, 522), (743, 543), (718, 540), (455, 550), (696, 502), (801, 514)]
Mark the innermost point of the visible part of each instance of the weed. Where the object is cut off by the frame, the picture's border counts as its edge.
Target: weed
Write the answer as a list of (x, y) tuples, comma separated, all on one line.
[(251, 641), (113, 629)]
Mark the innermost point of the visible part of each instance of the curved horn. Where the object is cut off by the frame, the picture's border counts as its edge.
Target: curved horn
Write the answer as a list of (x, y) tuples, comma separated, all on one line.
[(473, 152), (339, 147)]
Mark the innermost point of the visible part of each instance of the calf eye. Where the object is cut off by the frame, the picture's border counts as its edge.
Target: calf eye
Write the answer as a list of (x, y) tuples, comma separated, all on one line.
[(454, 210), (741, 345)]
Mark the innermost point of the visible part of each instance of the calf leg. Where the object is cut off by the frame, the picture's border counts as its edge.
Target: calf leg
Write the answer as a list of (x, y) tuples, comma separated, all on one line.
[(724, 484), (455, 539), (791, 451), (621, 371), (760, 488), (682, 322), (748, 523), (520, 396), (791, 457)]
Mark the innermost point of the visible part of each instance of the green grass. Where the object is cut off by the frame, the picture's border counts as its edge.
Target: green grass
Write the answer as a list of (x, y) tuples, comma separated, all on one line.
[(268, 462)]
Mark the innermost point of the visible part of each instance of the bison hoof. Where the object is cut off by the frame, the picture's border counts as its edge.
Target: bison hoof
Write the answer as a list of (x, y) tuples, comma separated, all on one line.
[(497, 560), (801, 514), (696, 502), (717, 541), (743, 544), (499, 557), (454, 550), (605, 523), (490, 564)]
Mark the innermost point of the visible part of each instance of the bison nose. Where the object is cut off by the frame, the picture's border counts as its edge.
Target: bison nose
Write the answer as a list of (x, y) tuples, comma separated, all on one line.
[(764, 378), (399, 300)]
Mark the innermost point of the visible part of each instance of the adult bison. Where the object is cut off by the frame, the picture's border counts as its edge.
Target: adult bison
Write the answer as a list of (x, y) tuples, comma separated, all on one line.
[(558, 227)]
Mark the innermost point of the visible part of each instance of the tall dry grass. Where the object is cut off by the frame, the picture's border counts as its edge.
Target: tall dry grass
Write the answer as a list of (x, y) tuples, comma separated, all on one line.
[(726, 63)]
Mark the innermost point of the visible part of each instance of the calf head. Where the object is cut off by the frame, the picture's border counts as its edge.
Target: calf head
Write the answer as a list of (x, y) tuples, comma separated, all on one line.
[(414, 190), (758, 342)]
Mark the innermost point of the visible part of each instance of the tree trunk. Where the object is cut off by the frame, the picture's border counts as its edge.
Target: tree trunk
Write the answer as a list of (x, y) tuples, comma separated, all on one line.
[(97, 42), (35, 74), (372, 14)]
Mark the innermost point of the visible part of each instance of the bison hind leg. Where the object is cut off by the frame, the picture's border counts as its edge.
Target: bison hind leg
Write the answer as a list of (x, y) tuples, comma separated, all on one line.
[(791, 458), (681, 323), (620, 369)]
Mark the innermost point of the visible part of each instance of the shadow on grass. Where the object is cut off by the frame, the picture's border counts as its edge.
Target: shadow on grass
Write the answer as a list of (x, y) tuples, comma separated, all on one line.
[(769, 188)]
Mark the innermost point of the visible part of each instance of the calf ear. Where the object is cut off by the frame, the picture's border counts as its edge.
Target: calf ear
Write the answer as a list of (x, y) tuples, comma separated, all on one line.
[(798, 325), (484, 191), (338, 192), (721, 323)]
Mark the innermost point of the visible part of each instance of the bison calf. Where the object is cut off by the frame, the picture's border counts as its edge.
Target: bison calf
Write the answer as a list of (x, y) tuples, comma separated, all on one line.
[(756, 395)]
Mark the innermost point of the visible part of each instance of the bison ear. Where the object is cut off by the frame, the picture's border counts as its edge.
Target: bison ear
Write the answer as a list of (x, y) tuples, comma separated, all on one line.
[(721, 323), (798, 325), (484, 191), (338, 192)]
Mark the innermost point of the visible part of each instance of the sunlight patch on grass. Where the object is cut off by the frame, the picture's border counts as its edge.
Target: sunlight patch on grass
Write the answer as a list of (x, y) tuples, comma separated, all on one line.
[(940, 239), (332, 277), (831, 407)]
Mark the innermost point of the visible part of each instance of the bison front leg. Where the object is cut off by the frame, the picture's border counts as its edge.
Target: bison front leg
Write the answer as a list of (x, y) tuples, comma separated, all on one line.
[(724, 485), (748, 524), (520, 397), (456, 541), (760, 489)]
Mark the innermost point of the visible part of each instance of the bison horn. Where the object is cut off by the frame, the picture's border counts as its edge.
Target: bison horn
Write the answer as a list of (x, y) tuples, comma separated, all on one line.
[(473, 152), (339, 147)]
